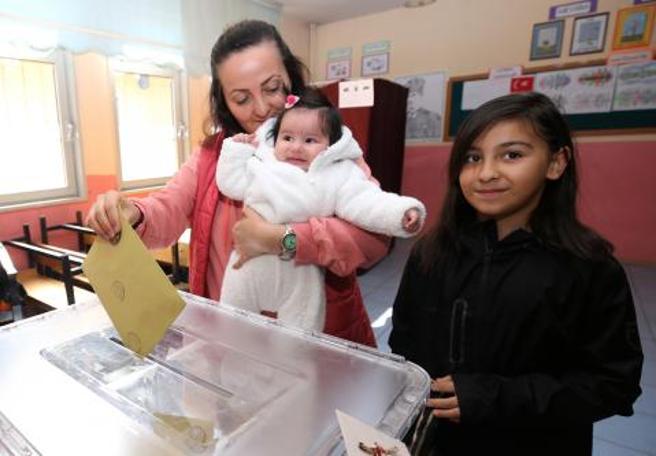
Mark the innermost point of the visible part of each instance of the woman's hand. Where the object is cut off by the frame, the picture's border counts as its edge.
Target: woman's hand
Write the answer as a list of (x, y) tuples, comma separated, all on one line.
[(253, 236), (246, 139), (104, 217), (445, 406)]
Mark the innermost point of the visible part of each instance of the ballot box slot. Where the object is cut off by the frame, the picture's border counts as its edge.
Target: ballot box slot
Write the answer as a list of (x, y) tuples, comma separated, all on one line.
[(215, 388)]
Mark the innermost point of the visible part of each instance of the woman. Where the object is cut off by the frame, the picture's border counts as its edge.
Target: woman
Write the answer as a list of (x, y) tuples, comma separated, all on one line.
[(252, 72)]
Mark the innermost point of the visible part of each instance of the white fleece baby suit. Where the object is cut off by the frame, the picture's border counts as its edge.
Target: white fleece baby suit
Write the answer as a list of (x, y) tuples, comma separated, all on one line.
[(334, 185)]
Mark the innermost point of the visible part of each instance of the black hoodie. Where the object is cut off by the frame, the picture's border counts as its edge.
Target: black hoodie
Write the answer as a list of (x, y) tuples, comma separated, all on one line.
[(540, 343)]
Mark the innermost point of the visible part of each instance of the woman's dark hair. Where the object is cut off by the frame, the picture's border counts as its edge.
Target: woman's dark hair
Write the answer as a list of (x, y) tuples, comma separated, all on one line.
[(554, 220), (314, 99), (236, 38)]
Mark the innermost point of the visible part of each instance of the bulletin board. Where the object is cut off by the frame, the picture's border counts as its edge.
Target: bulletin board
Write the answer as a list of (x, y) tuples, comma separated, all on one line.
[(602, 123)]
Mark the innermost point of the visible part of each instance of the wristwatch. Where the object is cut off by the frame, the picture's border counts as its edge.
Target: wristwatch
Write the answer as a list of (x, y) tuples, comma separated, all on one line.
[(288, 244)]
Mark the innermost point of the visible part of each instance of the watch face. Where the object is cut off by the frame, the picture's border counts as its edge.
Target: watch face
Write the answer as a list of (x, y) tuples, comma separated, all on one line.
[(289, 241)]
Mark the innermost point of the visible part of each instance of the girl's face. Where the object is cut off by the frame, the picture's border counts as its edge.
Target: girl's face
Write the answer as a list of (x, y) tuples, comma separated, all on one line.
[(505, 173), (253, 81), (300, 138)]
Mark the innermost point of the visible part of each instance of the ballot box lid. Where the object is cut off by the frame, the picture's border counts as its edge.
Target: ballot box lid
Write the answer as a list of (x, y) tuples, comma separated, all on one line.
[(222, 381)]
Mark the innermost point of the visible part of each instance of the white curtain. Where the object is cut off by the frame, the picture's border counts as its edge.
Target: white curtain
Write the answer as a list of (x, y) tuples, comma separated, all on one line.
[(164, 32)]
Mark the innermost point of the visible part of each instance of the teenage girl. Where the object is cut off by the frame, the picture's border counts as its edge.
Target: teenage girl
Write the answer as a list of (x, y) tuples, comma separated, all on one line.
[(519, 313)]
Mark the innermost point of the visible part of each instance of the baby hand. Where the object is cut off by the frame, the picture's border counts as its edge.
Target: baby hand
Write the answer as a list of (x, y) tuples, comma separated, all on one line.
[(411, 220), (245, 138)]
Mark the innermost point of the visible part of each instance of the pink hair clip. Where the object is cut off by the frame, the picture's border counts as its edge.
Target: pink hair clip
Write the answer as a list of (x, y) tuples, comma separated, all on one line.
[(290, 101)]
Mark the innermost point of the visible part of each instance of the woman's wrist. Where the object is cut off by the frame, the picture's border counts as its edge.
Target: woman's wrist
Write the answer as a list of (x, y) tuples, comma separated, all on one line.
[(140, 218), (132, 213), (274, 238)]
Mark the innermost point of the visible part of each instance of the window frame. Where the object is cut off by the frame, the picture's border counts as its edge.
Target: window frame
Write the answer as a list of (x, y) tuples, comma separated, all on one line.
[(66, 101), (180, 118)]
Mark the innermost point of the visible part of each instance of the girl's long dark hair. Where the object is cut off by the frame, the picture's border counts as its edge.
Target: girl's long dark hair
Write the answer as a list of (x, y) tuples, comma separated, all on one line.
[(554, 221), (236, 38)]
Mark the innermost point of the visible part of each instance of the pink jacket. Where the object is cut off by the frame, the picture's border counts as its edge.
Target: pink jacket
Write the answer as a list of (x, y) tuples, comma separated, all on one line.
[(191, 198)]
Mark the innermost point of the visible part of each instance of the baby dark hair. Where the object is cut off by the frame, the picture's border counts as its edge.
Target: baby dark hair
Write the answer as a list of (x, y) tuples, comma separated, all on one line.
[(311, 98)]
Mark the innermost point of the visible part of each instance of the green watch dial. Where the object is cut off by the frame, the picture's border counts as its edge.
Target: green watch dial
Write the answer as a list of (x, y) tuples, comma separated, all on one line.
[(289, 241)]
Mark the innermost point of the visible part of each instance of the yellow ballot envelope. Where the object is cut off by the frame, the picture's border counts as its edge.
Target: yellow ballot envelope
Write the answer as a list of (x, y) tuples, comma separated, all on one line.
[(136, 294)]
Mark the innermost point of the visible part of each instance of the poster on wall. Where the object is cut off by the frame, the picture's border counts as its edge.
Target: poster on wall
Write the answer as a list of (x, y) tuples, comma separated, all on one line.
[(547, 40), (475, 93), (589, 34), (338, 69), (338, 63), (425, 106), (375, 64), (580, 90), (375, 58), (633, 27), (636, 87)]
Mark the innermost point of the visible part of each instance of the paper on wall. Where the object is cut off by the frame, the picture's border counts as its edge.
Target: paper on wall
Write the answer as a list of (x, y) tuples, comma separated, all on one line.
[(475, 93), (636, 87), (580, 90), (356, 94)]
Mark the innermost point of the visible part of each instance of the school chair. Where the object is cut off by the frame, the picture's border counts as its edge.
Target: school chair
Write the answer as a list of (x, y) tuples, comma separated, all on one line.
[(48, 280)]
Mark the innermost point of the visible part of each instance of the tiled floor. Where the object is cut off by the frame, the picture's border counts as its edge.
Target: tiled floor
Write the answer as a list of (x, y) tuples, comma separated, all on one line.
[(616, 436)]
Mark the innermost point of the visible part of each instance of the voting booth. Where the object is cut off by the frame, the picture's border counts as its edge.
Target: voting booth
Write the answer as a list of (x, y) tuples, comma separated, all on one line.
[(221, 381)]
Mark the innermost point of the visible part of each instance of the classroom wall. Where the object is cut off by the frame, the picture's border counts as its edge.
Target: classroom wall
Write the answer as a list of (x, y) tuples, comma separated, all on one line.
[(199, 108), (456, 36), (297, 34), (463, 37)]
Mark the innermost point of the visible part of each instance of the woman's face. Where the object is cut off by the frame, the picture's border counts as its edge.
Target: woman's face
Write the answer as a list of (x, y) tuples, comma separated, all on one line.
[(254, 82)]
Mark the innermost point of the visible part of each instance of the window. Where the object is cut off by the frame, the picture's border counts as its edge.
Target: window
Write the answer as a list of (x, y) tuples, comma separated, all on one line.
[(39, 152), (152, 134)]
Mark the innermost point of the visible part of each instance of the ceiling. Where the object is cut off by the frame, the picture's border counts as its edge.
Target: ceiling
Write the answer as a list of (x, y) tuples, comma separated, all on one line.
[(324, 11)]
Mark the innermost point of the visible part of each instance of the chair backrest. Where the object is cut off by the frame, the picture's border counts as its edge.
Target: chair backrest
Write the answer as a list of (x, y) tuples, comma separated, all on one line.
[(6, 263), (11, 292)]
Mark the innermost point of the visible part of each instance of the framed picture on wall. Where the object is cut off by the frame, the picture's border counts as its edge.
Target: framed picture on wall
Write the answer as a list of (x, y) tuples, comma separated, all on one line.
[(425, 109), (547, 40), (589, 34), (375, 64), (338, 69), (633, 27)]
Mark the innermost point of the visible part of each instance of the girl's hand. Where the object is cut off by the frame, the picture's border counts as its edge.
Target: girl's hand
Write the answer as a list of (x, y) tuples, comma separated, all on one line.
[(253, 236), (446, 406), (411, 220), (104, 218)]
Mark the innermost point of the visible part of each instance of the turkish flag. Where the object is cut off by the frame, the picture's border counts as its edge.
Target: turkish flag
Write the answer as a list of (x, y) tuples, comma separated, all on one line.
[(522, 84)]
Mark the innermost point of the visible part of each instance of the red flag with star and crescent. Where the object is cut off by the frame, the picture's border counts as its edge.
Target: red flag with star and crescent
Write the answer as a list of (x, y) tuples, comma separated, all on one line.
[(522, 84)]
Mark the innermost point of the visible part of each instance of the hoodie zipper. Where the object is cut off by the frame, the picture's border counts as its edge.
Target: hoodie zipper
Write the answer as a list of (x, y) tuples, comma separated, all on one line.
[(458, 333), (487, 259), (459, 313)]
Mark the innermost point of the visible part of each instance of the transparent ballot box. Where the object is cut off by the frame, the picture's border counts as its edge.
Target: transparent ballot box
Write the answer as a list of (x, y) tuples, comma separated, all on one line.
[(222, 381)]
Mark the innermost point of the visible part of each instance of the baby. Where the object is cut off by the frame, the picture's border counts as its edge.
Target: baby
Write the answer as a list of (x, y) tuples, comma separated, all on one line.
[(297, 166)]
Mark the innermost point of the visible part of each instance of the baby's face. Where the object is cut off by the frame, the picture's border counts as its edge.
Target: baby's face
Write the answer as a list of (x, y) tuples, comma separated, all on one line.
[(300, 138)]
